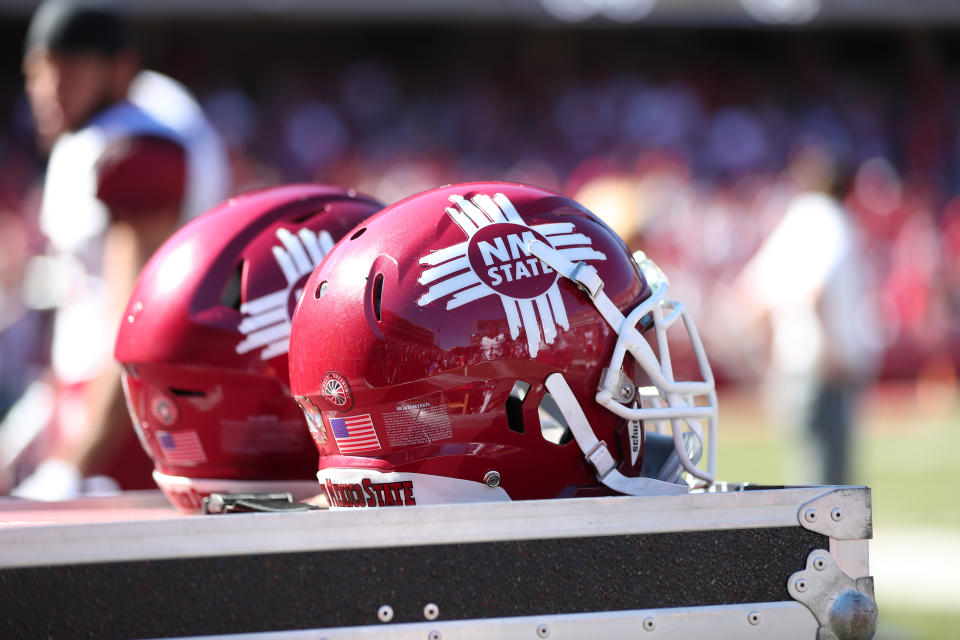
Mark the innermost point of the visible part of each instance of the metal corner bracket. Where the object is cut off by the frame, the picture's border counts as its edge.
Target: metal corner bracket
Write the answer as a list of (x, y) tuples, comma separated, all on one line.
[(845, 608), (844, 513)]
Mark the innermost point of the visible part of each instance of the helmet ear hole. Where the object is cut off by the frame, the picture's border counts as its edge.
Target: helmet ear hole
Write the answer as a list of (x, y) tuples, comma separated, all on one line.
[(514, 405)]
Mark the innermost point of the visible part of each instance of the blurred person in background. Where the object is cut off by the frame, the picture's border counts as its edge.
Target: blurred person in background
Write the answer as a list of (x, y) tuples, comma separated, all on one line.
[(808, 283), (23, 330), (131, 158)]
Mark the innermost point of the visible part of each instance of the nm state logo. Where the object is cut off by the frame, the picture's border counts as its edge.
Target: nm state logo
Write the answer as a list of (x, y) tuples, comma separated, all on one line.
[(266, 320), (494, 261)]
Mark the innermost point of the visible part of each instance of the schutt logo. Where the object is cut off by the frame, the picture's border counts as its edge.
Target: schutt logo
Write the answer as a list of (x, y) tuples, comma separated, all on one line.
[(494, 261)]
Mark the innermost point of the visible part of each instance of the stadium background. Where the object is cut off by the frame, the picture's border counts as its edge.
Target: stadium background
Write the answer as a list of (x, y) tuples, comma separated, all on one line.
[(692, 109)]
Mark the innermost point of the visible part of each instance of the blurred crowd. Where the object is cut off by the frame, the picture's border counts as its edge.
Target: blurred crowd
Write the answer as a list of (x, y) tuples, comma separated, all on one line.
[(690, 165)]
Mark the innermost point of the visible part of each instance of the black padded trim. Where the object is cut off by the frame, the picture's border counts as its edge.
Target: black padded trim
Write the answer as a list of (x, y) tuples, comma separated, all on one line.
[(195, 596)]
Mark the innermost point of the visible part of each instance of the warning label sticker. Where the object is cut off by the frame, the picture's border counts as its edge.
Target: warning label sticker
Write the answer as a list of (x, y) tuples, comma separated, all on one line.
[(417, 423), (261, 434)]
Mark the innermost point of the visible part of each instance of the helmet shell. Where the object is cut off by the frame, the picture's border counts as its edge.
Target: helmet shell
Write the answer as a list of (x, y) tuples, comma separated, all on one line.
[(423, 341), (205, 336)]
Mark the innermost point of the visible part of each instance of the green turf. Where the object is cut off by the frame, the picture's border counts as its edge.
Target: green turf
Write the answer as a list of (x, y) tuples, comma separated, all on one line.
[(745, 456), (911, 476), (912, 624), (907, 458)]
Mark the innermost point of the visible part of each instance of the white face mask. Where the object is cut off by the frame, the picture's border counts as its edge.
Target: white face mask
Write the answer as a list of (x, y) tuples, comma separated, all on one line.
[(668, 404)]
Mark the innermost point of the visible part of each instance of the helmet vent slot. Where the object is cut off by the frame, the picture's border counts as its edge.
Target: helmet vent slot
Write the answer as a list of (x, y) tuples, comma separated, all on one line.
[(187, 393), (553, 426), (377, 295), (514, 405), (306, 216), (231, 295), (320, 290), (358, 233)]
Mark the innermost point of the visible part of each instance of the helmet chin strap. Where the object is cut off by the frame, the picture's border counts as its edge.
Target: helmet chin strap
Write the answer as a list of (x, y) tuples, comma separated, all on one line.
[(586, 278), (596, 450)]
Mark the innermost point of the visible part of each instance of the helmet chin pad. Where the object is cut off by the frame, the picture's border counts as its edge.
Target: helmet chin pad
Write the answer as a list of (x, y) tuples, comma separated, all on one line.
[(352, 487)]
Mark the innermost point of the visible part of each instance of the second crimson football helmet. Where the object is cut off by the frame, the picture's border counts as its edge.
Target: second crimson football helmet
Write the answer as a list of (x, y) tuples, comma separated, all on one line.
[(204, 342), (485, 342)]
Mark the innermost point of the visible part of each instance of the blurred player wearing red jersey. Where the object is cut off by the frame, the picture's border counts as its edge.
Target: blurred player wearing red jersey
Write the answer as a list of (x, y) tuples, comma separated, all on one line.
[(131, 157)]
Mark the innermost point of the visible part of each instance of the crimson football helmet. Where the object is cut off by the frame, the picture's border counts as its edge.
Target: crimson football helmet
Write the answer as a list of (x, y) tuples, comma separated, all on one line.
[(485, 341), (204, 343)]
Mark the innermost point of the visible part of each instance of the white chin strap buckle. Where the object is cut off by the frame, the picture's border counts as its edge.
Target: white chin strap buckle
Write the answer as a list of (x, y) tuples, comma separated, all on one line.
[(587, 279), (599, 456)]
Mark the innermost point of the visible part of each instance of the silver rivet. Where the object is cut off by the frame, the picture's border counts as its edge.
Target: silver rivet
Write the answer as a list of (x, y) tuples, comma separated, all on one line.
[(433, 635), (492, 479), (625, 391), (801, 585), (852, 614), (836, 514), (649, 624), (385, 613), (810, 515), (543, 631), (431, 611), (753, 618), (819, 563)]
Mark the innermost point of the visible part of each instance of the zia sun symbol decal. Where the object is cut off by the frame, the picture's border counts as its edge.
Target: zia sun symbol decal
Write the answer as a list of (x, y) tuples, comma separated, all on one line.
[(494, 261), (266, 320)]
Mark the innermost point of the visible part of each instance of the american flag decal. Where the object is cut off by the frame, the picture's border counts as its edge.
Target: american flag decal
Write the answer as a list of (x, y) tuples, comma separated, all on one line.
[(181, 447), (266, 320), (354, 433), (494, 261)]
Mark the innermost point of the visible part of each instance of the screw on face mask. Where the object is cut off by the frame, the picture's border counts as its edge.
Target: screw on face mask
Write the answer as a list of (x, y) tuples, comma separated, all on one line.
[(625, 389)]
